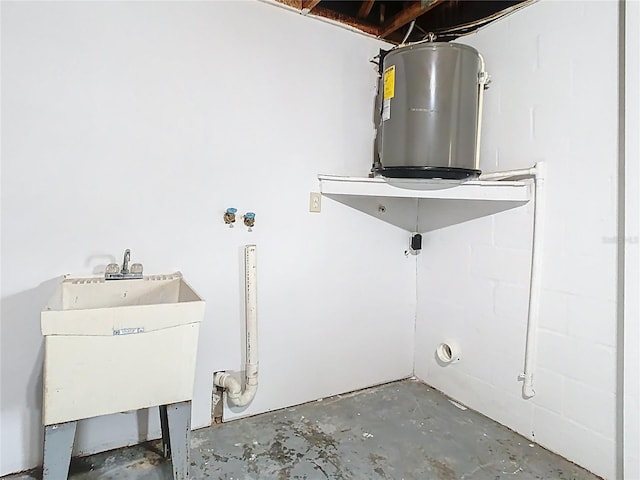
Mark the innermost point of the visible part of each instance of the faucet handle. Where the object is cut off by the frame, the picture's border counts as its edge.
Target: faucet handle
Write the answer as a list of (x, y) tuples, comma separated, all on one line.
[(112, 268), (136, 268)]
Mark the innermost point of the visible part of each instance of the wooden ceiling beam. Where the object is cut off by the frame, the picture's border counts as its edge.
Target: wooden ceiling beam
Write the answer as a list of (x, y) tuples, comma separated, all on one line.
[(365, 8), (297, 4), (308, 5), (358, 23), (413, 11)]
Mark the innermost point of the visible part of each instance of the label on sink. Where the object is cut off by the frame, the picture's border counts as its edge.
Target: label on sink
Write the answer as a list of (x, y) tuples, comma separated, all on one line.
[(128, 331)]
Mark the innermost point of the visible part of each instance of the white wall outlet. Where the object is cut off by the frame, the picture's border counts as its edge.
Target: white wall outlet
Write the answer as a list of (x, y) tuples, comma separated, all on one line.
[(315, 201)]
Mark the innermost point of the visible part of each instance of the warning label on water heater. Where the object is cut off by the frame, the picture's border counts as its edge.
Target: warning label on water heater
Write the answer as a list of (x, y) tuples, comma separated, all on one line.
[(388, 91), (386, 109), (389, 82)]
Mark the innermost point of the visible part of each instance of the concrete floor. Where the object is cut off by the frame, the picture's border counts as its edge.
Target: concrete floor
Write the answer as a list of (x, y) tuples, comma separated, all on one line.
[(402, 430)]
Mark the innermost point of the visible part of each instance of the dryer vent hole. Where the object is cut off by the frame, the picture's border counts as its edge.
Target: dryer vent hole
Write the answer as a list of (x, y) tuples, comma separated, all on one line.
[(448, 353)]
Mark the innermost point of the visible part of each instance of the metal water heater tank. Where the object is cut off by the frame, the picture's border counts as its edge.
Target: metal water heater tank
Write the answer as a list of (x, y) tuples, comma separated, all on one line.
[(431, 111)]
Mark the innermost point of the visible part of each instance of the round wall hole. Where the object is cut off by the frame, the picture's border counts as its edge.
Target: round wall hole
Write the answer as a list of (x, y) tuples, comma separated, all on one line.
[(448, 352)]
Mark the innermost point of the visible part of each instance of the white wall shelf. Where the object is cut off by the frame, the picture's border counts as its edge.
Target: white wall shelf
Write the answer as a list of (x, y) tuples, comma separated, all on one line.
[(424, 205)]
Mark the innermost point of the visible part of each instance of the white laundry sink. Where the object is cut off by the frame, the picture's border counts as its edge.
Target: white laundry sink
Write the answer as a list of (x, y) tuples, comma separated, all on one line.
[(118, 345)]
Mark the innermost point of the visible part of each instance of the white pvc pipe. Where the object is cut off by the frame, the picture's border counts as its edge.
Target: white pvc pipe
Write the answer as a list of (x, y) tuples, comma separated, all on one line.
[(235, 394), (536, 280), (533, 313), (523, 172), (448, 352), (481, 84)]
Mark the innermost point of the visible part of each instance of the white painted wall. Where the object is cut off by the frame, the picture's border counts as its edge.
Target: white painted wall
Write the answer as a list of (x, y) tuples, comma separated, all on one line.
[(631, 406), (554, 97), (135, 124)]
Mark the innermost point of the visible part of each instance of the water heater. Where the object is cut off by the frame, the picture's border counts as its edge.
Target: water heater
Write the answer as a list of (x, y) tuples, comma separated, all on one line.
[(431, 107)]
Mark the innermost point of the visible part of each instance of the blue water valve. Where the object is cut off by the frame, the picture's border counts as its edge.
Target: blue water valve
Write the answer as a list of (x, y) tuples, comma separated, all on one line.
[(230, 216), (249, 219)]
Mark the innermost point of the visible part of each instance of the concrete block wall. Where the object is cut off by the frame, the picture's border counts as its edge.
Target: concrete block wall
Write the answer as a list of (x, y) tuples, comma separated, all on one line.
[(553, 97)]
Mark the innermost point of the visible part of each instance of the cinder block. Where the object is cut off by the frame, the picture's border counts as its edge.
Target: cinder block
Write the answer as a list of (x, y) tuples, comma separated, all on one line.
[(512, 410), (563, 435), (514, 228), (592, 320), (503, 264), (549, 387), (554, 311), (555, 352), (591, 407), (511, 302), (593, 276), (505, 368), (578, 360), (506, 338)]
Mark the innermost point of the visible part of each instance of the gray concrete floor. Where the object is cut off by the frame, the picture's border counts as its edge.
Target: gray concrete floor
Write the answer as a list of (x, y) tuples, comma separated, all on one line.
[(402, 430)]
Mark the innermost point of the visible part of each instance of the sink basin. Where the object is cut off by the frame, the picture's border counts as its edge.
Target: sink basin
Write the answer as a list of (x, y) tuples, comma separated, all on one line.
[(118, 345)]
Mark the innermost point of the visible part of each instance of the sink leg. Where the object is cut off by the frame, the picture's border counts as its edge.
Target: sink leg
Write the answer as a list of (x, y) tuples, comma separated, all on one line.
[(164, 426), (179, 426), (58, 443)]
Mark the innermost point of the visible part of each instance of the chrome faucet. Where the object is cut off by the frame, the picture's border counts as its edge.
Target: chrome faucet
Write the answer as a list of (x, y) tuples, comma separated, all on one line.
[(125, 262), (114, 272)]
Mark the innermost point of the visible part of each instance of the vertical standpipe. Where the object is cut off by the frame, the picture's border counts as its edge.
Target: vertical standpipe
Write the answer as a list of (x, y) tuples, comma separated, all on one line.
[(236, 395), (539, 173)]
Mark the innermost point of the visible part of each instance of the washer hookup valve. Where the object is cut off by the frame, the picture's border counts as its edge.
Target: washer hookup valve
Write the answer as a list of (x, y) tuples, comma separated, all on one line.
[(249, 219), (230, 216)]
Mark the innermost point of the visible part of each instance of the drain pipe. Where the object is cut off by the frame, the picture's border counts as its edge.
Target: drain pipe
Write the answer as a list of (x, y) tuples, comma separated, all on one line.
[(235, 394), (507, 174), (539, 174), (483, 82)]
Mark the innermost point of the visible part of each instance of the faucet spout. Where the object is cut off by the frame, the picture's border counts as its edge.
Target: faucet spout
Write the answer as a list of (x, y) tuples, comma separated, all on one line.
[(125, 262)]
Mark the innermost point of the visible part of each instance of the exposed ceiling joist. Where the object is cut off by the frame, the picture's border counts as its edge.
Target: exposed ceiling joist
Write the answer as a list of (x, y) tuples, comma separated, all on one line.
[(385, 19), (308, 5), (358, 23), (365, 8), (411, 12), (297, 4)]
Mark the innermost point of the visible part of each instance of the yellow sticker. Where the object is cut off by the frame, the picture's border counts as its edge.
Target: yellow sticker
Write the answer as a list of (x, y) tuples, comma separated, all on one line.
[(389, 82)]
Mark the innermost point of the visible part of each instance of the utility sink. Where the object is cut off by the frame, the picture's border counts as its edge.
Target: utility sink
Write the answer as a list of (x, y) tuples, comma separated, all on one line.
[(118, 345)]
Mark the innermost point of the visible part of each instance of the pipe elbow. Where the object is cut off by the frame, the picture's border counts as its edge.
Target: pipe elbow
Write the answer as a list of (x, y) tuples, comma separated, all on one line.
[(234, 397), (235, 394), (528, 391), (226, 381), (247, 396), (527, 386)]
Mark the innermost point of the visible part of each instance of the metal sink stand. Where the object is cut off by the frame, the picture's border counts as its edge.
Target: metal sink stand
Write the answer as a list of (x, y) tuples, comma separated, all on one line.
[(175, 422)]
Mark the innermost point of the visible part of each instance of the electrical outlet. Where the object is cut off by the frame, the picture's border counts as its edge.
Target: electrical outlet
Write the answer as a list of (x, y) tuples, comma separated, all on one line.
[(315, 200)]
